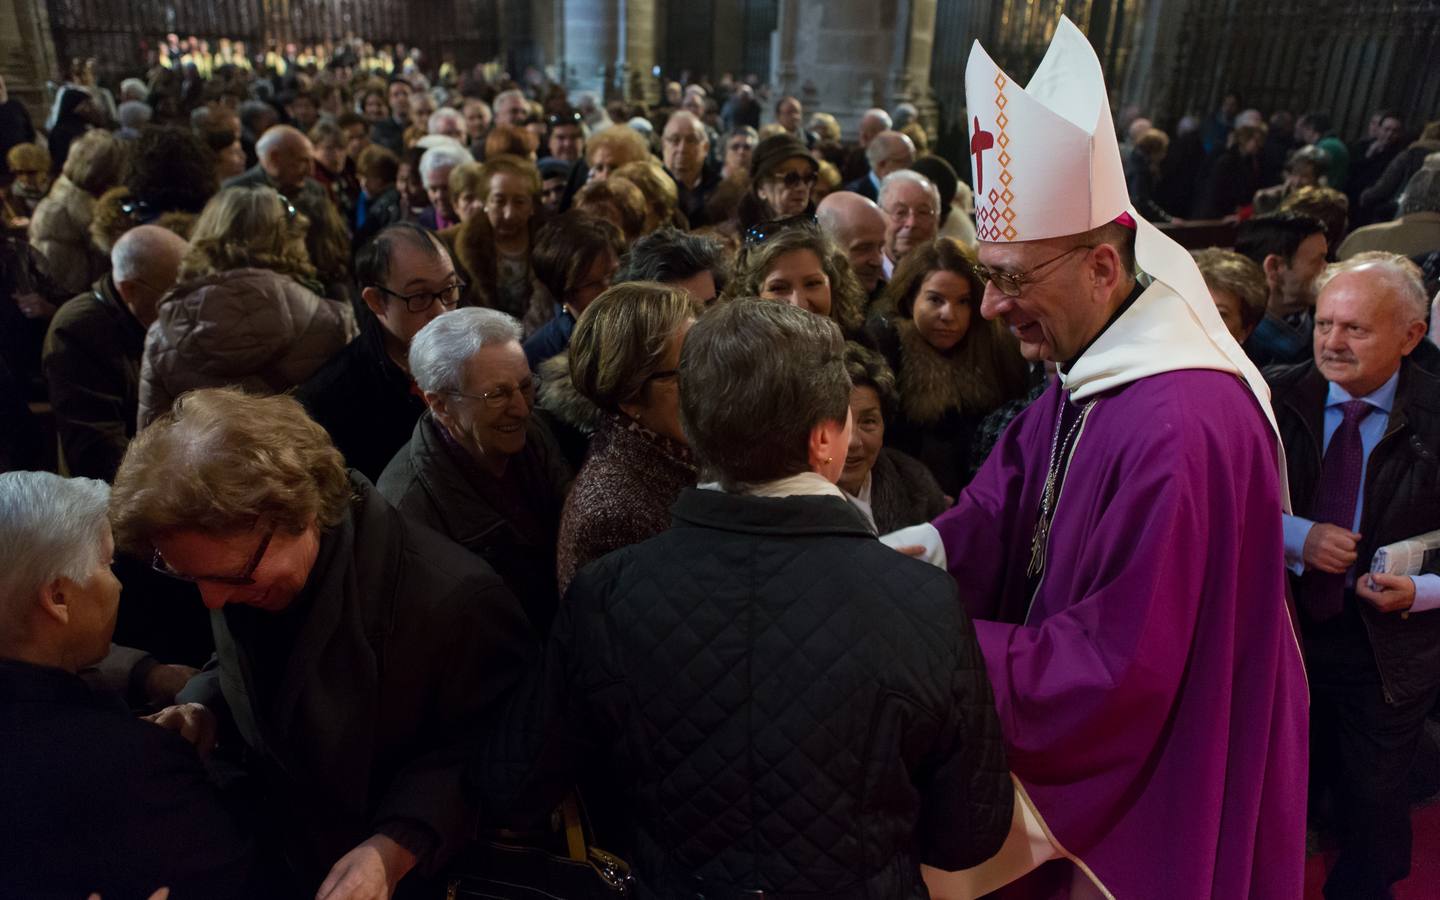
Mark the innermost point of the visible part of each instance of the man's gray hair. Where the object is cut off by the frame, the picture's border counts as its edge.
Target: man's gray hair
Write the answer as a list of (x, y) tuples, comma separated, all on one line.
[(505, 95), (439, 350), (881, 115), (1422, 192), (134, 89), (141, 249), (443, 157), (883, 143), (134, 114), (1403, 275), (910, 176), (50, 527), (442, 115)]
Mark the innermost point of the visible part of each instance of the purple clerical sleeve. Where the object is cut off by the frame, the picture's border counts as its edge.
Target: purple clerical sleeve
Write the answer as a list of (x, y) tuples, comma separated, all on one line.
[(1151, 691)]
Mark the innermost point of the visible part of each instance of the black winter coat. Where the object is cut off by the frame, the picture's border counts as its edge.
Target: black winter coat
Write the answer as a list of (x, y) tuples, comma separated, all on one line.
[(97, 800), (354, 703), (1402, 500), (788, 705), (365, 401), (513, 524)]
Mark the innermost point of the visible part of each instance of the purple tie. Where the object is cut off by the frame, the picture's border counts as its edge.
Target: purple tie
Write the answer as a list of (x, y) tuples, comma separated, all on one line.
[(1323, 594)]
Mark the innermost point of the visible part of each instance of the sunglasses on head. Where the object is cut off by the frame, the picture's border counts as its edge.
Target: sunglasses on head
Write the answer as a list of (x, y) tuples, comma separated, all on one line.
[(555, 121), (764, 231)]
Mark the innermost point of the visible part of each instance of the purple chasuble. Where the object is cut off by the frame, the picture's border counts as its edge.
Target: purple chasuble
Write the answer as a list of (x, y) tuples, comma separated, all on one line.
[(1152, 696)]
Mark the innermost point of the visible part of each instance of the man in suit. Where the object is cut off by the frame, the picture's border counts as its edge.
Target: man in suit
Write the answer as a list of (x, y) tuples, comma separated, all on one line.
[(889, 151), (390, 132), (1361, 427)]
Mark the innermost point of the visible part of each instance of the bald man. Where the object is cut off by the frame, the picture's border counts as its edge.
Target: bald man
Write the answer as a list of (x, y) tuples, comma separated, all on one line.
[(888, 151), (286, 160), (92, 350), (857, 226)]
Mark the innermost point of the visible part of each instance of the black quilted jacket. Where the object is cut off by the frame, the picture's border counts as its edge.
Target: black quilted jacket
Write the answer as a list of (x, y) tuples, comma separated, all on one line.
[(785, 704)]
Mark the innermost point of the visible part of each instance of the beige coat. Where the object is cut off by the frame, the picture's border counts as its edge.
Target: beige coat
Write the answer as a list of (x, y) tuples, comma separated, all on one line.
[(60, 231), (249, 328)]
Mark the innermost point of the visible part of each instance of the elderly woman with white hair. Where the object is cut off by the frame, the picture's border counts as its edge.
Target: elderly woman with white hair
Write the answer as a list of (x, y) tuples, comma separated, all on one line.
[(435, 168), (479, 467), (80, 771)]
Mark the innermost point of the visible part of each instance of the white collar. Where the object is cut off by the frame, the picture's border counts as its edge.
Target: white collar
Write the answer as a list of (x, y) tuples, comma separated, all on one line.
[(805, 484)]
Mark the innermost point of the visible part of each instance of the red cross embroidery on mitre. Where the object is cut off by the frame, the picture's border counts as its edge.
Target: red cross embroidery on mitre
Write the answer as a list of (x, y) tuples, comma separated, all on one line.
[(980, 141)]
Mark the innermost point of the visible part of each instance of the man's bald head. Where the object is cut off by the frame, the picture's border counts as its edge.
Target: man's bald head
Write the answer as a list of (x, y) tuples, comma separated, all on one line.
[(857, 226), (144, 264), (889, 151), (286, 155)]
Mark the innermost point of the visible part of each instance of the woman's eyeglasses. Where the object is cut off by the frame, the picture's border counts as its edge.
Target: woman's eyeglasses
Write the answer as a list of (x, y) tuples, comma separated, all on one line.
[(420, 301), (555, 121), (500, 397), (761, 232)]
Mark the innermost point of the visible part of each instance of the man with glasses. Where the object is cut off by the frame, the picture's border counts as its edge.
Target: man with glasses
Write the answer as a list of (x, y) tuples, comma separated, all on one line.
[(686, 150), (479, 468), (364, 396), (1121, 548), (911, 204), (888, 151)]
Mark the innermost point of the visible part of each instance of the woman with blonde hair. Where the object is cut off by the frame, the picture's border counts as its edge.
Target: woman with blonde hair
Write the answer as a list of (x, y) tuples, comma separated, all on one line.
[(612, 148), (353, 649), (616, 200), (795, 263), (624, 359), (60, 228), (951, 366), (246, 309), (662, 197)]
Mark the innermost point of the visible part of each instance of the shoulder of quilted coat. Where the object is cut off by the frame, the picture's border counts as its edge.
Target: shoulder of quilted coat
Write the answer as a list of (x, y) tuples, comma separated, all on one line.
[(247, 322)]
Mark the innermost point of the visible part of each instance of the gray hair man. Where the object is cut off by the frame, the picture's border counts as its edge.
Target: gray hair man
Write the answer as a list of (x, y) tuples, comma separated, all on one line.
[(94, 345), (479, 467), (511, 108), (686, 147), (694, 263), (435, 168), (448, 122), (888, 151), (859, 228), (1415, 231), (911, 204), (1363, 413)]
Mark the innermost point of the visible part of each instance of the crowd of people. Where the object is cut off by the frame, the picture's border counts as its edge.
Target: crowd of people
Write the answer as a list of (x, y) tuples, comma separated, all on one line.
[(465, 447)]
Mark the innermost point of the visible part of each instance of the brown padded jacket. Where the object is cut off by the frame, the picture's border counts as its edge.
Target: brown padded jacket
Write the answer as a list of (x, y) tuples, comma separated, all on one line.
[(250, 328)]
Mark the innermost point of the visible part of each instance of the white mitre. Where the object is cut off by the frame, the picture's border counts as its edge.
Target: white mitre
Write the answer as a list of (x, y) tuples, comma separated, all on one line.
[(1047, 164)]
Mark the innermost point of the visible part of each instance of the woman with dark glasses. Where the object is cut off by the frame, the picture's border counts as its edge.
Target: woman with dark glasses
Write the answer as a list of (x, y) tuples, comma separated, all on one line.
[(782, 177)]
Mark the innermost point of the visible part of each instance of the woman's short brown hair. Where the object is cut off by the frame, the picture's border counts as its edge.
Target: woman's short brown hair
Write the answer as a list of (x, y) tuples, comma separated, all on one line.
[(755, 378), (96, 162), (567, 245), (378, 162), (655, 184), (509, 140), (247, 227), (221, 462), (465, 178), (30, 157), (867, 368), (847, 297), (623, 196), (621, 338), (1237, 274), (506, 164)]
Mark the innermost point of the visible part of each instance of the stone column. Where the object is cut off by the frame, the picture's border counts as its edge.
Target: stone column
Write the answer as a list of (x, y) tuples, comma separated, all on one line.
[(637, 54), (910, 69), (589, 29), (27, 54)]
